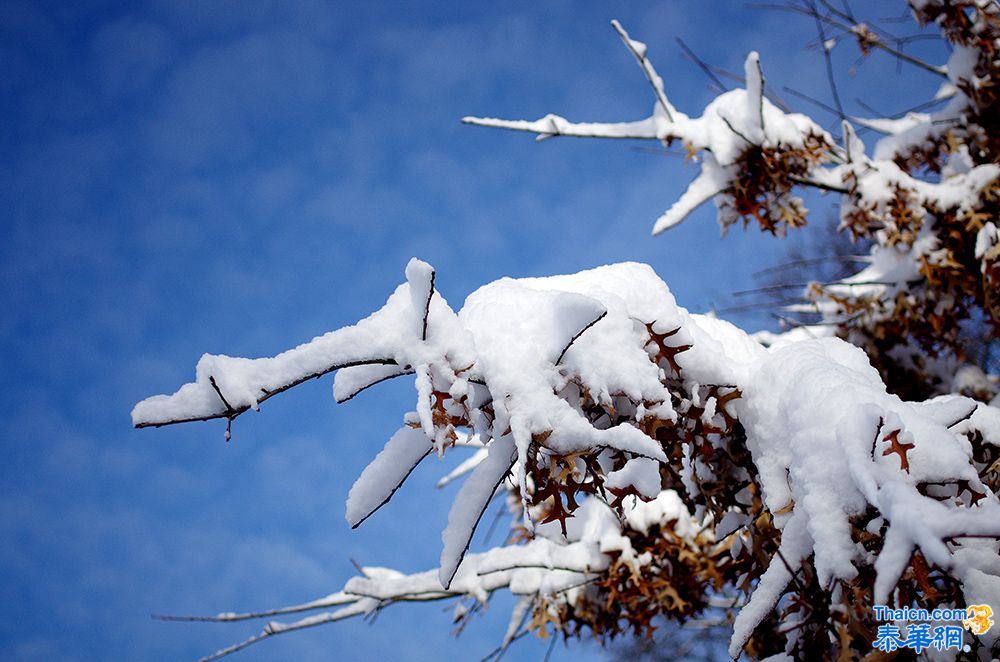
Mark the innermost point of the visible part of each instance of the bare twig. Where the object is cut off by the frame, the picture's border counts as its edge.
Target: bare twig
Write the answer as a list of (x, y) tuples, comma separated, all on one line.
[(828, 60), (813, 260), (701, 65), (842, 22), (499, 650), (812, 100)]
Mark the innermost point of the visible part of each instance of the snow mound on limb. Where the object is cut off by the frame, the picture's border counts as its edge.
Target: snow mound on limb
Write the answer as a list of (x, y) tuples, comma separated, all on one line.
[(830, 442), (415, 327), (524, 365)]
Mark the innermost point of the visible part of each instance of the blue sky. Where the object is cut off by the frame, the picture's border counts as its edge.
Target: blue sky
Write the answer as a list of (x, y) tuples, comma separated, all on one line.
[(237, 177)]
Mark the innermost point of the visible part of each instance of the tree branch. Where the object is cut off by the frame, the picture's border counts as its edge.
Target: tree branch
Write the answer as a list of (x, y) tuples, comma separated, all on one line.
[(552, 126), (394, 489), (828, 60), (638, 49), (386, 378), (231, 413), (702, 65), (577, 335)]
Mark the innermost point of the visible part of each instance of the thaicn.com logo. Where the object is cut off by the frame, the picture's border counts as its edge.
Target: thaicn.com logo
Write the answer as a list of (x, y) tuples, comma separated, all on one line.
[(938, 629)]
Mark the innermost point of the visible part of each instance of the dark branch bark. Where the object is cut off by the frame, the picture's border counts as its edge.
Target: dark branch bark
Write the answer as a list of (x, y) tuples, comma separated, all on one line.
[(231, 413), (393, 490), (482, 511), (377, 381), (427, 306), (578, 334)]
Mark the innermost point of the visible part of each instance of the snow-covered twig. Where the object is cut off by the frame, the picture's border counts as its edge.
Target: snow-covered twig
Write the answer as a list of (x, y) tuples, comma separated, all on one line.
[(638, 49)]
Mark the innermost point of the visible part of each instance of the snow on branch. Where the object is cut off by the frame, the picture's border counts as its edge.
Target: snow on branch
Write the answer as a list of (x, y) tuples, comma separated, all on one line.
[(652, 459), (739, 132), (386, 474), (550, 572), (638, 49), (551, 126), (595, 392), (396, 335), (921, 198)]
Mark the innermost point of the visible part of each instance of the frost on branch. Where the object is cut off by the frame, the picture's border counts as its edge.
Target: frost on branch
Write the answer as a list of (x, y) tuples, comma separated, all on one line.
[(593, 394)]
